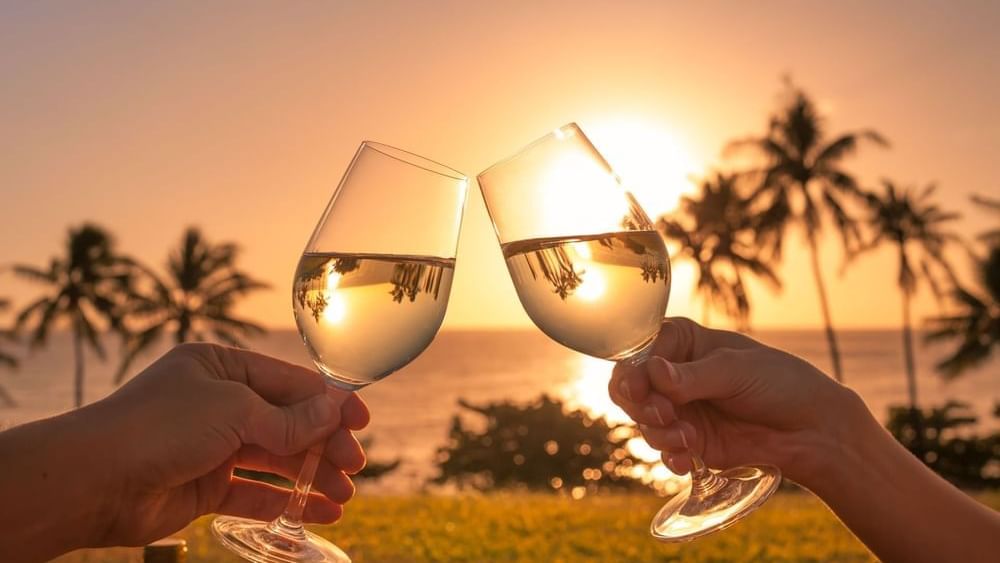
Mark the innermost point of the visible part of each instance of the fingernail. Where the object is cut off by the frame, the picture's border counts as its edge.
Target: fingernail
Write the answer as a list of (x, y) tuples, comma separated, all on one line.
[(320, 410), (684, 441), (652, 412), (670, 370), (623, 387)]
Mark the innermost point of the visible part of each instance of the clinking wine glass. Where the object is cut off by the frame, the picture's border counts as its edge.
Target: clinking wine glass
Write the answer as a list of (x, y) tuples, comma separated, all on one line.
[(369, 295), (593, 274)]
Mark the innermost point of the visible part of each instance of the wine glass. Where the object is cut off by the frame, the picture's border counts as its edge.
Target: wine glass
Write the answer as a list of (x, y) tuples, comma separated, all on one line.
[(369, 295), (592, 272)]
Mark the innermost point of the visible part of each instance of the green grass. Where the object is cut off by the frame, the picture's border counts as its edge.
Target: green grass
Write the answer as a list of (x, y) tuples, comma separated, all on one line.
[(529, 527)]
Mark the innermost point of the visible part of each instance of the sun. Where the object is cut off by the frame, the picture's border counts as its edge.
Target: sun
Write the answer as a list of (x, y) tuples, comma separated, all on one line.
[(653, 162)]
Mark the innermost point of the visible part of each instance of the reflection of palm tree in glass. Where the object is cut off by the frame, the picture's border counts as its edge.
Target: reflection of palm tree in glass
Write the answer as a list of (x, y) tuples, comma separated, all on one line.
[(556, 205), (915, 226), (408, 281), (195, 301), (87, 287), (558, 264), (976, 325), (801, 182), (717, 235)]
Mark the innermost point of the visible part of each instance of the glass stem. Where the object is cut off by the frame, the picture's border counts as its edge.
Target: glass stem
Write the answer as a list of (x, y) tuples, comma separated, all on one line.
[(703, 480), (289, 524)]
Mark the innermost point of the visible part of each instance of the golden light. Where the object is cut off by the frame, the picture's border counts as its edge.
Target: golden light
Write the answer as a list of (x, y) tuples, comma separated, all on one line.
[(652, 161), (589, 390), (592, 286), (584, 193), (336, 306)]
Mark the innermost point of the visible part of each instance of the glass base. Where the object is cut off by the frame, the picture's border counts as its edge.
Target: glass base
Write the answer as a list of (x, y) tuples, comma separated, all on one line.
[(265, 542), (715, 503)]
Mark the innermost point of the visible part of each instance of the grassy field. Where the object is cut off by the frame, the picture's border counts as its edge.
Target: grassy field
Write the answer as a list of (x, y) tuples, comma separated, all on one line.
[(527, 527)]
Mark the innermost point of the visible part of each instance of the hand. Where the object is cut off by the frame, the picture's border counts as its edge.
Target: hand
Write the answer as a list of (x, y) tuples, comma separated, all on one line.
[(173, 434), (734, 401)]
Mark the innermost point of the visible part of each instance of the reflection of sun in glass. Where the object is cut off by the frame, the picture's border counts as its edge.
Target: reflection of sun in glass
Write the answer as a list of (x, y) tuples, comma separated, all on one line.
[(336, 307), (592, 287)]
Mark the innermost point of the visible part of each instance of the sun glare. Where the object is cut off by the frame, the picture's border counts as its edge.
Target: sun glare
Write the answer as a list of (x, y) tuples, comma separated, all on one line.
[(336, 306), (653, 163)]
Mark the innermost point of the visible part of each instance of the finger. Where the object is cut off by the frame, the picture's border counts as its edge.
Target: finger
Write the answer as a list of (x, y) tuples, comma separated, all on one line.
[(354, 413), (678, 463), (674, 438), (277, 381), (329, 480), (260, 501), (656, 411), (291, 429), (717, 377), (345, 452), (629, 384), (683, 340)]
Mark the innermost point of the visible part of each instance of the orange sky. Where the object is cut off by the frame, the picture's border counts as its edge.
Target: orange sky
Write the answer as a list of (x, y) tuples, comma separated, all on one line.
[(240, 117)]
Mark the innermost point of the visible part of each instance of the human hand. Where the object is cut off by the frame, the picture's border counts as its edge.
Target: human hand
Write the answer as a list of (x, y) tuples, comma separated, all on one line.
[(734, 401), (174, 433)]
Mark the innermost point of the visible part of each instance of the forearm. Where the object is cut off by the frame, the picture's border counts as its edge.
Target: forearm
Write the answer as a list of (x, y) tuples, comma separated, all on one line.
[(897, 506), (51, 493)]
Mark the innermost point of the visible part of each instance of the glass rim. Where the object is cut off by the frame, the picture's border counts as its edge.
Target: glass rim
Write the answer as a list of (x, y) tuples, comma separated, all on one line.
[(414, 159), (558, 132)]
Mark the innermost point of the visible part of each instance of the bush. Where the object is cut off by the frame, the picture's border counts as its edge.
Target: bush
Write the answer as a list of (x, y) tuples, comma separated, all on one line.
[(937, 438), (538, 446)]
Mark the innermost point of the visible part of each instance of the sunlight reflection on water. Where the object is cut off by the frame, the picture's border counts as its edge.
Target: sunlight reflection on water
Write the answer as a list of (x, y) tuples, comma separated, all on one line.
[(588, 391)]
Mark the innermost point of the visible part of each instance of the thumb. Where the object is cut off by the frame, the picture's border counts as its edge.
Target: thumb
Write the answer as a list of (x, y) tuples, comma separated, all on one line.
[(715, 377), (293, 428)]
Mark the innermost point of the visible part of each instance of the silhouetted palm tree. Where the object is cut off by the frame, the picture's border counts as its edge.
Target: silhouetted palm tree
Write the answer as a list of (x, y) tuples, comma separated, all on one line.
[(718, 236), (802, 182), (977, 325), (195, 302), (915, 226), (6, 358), (87, 288)]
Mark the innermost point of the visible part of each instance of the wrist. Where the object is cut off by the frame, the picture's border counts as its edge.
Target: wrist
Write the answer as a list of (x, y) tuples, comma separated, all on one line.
[(835, 451), (54, 489)]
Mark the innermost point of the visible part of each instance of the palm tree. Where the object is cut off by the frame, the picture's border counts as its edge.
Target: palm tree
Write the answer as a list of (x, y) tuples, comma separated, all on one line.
[(6, 358), (915, 226), (718, 236), (196, 300), (87, 288), (977, 325), (803, 181)]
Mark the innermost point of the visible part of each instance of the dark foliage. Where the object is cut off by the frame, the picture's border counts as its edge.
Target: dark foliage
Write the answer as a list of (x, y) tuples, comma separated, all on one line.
[(539, 446), (940, 437)]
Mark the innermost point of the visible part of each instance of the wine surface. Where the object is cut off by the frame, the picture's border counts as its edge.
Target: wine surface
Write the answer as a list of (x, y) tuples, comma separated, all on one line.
[(603, 295), (363, 317)]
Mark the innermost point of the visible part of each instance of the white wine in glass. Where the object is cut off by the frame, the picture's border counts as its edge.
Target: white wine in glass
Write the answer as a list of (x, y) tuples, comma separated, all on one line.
[(593, 273), (369, 295)]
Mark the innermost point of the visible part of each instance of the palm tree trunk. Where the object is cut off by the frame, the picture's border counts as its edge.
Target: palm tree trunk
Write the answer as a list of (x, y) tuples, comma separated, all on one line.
[(911, 372), (182, 330), (78, 357), (831, 336)]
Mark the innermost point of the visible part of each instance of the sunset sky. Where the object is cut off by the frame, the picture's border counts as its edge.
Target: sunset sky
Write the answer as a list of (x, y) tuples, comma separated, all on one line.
[(240, 117)]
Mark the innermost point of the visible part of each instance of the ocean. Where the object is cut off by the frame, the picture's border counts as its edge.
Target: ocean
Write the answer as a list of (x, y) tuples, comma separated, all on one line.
[(412, 409)]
